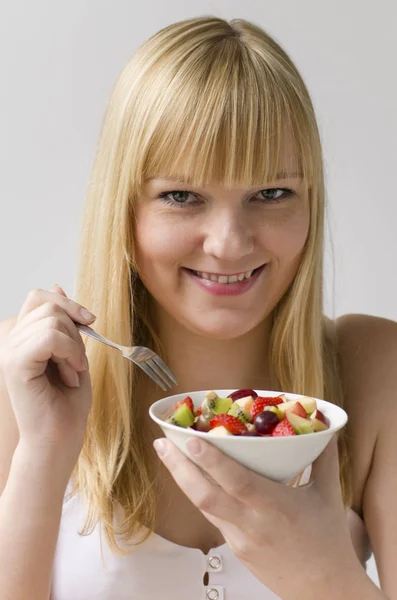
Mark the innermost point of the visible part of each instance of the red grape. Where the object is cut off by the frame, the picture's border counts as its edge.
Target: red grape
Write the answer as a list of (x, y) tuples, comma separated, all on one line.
[(203, 422), (242, 394), (265, 422)]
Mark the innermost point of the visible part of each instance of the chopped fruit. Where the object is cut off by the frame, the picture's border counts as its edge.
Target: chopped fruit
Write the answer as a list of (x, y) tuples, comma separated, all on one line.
[(188, 401), (320, 421), (285, 406), (309, 404), (265, 422), (298, 409), (245, 402), (245, 413), (280, 399), (283, 429), (241, 409), (276, 411), (203, 422), (221, 430), (260, 404), (231, 423), (299, 424), (182, 417), (242, 394), (216, 405)]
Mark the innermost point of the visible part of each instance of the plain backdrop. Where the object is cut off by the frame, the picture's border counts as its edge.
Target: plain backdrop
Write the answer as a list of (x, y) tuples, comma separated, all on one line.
[(59, 62)]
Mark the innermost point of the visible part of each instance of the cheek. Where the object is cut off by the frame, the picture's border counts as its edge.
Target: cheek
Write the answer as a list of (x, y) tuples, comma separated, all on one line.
[(286, 236), (161, 241)]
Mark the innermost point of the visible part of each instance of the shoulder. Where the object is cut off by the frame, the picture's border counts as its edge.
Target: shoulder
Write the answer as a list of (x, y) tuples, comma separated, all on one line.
[(367, 349)]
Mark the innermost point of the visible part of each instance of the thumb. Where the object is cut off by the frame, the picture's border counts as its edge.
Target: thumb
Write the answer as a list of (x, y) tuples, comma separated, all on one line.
[(325, 469)]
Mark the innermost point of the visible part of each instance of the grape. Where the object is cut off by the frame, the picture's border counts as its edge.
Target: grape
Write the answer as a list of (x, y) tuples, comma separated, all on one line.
[(203, 422), (265, 422), (242, 394), (250, 434)]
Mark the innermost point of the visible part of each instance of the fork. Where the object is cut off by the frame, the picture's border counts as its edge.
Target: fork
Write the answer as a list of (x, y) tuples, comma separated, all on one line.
[(143, 357)]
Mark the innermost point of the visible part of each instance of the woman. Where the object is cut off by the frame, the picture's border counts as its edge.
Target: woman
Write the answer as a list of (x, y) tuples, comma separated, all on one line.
[(209, 169)]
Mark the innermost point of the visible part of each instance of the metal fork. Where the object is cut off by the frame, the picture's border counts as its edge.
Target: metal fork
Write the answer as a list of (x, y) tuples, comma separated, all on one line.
[(143, 357)]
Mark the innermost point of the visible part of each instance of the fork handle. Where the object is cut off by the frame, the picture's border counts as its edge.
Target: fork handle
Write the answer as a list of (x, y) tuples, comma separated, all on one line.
[(97, 336)]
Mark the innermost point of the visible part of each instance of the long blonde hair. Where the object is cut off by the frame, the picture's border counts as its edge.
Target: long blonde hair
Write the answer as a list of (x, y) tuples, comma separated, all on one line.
[(203, 100)]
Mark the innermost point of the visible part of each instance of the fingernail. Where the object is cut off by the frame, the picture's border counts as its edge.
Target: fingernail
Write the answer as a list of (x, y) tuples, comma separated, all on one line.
[(160, 446), (87, 315), (77, 379), (194, 446), (85, 363)]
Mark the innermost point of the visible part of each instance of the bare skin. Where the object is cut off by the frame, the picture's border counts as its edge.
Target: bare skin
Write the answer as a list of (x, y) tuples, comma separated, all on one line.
[(362, 340), (368, 348), (214, 341)]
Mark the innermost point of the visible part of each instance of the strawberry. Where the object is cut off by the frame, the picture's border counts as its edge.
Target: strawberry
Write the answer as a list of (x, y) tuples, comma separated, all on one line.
[(260, 404), (199, 411), (187, 401), (232, 424), (279, 399), (283, 429)]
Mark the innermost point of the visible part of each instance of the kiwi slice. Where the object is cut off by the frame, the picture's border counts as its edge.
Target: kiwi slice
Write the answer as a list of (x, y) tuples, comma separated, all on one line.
[(218, 406), (182, 417), (240, 413)]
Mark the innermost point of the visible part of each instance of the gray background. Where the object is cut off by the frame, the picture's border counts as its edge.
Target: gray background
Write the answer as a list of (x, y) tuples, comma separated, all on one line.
[(59, 62)]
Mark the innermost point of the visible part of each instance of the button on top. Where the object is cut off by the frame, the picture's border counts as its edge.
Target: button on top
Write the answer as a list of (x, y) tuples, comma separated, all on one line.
[(214, 562), (212, 594)]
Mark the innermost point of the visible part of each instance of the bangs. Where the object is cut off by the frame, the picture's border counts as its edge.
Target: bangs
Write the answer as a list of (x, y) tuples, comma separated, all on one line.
[(223, 116)]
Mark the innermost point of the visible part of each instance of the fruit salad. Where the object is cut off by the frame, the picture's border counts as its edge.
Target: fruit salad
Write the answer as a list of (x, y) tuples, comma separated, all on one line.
[(245, 413)]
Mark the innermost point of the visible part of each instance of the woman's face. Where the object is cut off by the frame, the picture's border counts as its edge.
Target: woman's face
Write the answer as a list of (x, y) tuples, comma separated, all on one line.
[(217, 260)]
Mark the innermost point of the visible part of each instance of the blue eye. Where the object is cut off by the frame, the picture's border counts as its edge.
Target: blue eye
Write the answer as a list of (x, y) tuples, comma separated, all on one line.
[(274, 195), (177, 197)]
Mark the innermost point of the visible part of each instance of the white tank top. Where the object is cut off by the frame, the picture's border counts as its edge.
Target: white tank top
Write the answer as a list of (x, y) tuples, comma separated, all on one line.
[(85, 568)]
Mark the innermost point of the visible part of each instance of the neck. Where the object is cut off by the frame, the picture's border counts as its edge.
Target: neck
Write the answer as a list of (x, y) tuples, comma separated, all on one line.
[(202, 363)]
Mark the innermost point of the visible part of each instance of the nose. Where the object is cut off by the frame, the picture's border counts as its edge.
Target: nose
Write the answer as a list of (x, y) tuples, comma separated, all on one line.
[(228, 235)]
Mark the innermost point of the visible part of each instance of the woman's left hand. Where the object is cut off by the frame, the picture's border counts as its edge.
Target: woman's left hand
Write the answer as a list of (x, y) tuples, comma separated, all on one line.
[(294, 540)]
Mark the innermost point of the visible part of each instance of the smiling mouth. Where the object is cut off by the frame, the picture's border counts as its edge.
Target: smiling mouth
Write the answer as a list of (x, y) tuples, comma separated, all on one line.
[(226, 278)]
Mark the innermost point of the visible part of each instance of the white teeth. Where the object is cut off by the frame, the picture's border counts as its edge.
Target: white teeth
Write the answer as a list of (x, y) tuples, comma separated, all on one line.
[(224, 278)]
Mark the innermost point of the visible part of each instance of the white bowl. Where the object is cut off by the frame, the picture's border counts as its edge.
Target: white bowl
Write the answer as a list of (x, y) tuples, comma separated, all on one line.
[(278, 458)]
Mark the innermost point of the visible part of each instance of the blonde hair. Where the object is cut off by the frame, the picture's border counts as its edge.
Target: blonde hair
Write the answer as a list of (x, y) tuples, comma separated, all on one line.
[(203, 100)]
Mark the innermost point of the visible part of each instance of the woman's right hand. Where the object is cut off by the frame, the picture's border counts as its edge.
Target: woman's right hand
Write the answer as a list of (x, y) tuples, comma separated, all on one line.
[(46, 374)]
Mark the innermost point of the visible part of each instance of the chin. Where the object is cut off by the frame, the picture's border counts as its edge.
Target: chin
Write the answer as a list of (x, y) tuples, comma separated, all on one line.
[(222, 327)]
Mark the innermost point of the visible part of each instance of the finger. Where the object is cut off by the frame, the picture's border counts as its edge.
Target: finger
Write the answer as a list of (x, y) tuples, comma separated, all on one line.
[(235, 479), (31, 358), (46, 316), (325, 469), (62, 323), (58, 290), (205, 494), (38, 297)]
